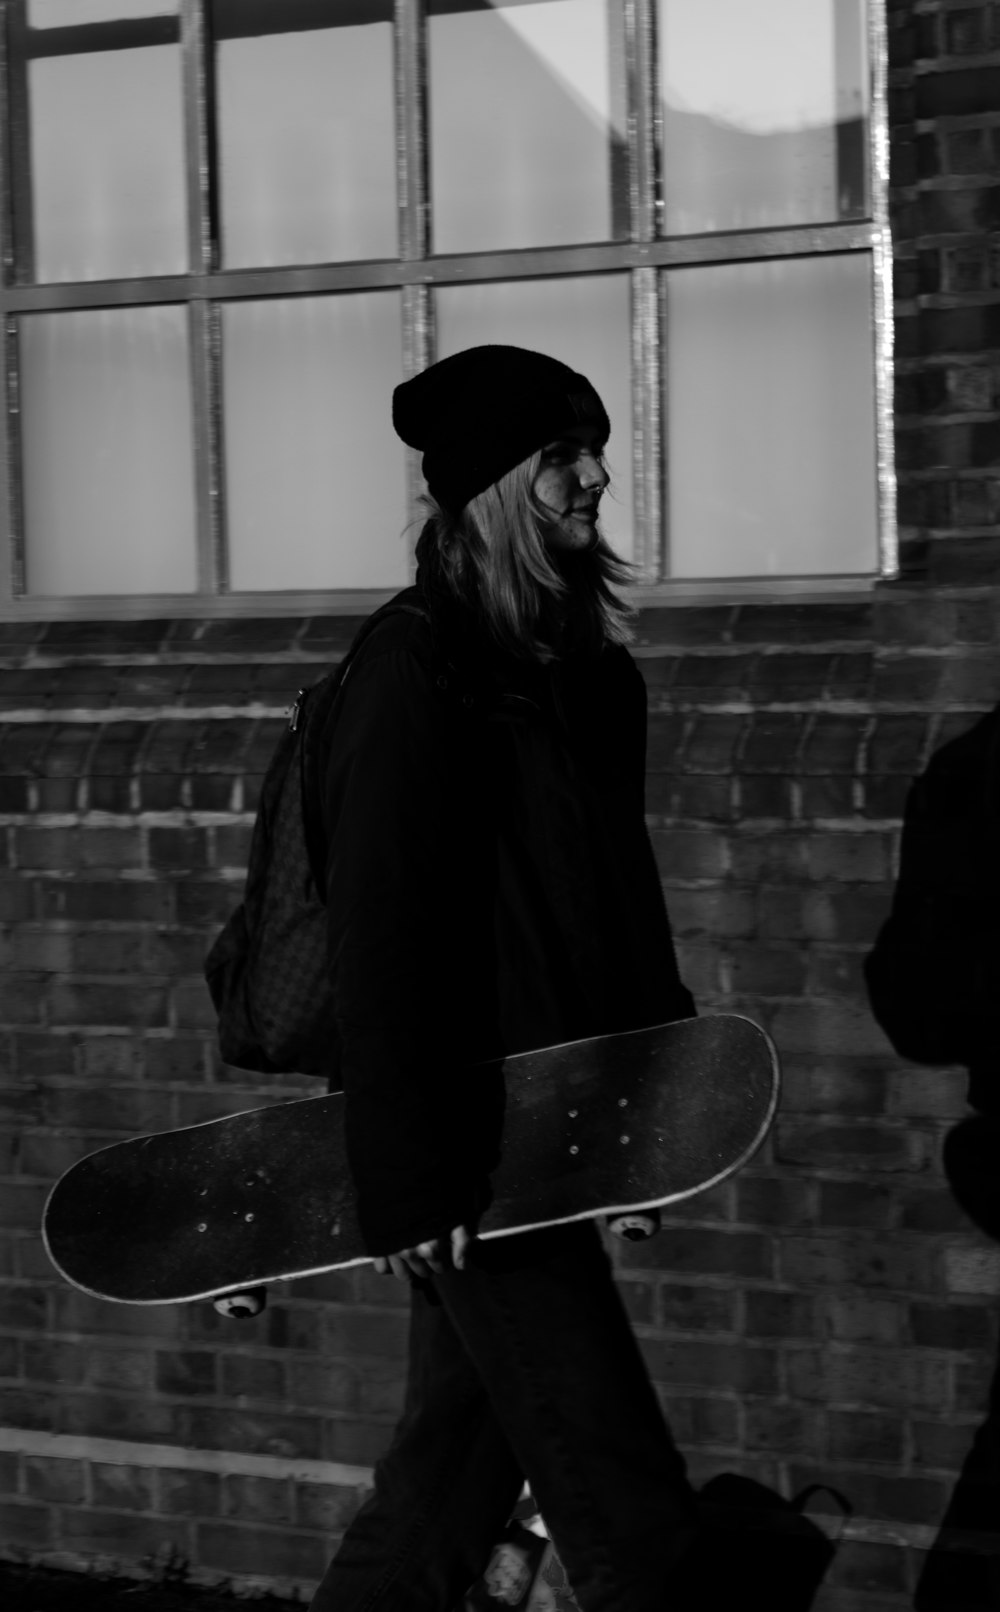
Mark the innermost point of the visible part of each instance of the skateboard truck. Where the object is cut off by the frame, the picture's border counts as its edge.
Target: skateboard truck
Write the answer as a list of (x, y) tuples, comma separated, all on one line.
[(241, 1306)]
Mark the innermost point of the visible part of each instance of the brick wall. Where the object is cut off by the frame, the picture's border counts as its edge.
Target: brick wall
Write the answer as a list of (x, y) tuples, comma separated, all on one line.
[(945, 138), (830, 1315)]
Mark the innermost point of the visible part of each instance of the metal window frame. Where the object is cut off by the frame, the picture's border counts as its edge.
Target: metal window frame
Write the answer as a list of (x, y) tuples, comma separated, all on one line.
[(415, 272)]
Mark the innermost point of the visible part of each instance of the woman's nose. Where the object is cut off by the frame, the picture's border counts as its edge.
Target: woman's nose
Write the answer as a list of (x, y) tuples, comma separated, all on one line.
[(592, 472)]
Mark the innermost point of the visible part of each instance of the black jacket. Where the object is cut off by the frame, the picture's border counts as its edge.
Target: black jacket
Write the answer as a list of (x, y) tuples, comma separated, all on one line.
[(491, 888)]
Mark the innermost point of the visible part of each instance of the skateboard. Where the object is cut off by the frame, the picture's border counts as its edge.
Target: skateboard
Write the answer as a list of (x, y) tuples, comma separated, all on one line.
[(611, 1126)]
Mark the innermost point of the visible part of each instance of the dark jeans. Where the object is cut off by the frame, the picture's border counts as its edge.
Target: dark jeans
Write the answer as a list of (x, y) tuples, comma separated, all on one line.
[(527, 1368)]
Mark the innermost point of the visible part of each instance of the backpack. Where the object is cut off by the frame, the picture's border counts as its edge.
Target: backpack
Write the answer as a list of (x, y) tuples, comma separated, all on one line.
[(267, 971)]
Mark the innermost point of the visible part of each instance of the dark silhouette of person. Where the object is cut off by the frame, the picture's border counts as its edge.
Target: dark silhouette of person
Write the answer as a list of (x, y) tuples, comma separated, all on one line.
[(934, 985)]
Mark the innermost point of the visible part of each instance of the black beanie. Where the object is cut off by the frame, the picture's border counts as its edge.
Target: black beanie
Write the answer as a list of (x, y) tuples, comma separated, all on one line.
[(477, 414)]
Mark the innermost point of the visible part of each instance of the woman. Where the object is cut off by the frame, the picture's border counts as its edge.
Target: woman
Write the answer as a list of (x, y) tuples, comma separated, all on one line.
[(491, 888)]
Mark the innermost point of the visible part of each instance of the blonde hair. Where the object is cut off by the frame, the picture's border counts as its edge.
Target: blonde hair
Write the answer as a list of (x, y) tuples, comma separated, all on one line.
[(536, 602)]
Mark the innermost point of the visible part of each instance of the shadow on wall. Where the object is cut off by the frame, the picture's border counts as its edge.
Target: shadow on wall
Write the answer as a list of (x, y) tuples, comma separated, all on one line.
[(934, 983)]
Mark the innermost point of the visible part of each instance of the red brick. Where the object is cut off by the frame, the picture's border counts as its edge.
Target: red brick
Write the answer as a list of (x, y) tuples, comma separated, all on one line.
[(973, 1379), (703, 1252), (865, 1437), (60, 1482), (719, 912), (25, 1527), (774, 1201), (712, 743), (779, 1314), (187, 1372), (327, 1384), (74, 1311), (882, 1379), (189, 1494), (253, 1499), (791, 623), (117, 1416), (827, 1029), (270, 1552), (254, 1431), (123, 1536), (638, 1299), (916, 1499), (771, 1425), (772, 744), (120, 900), (347, 1333), (178, 849), (122, 1487), (133, 1110), (356, 1443), (931, 1209), (17, 900), (827, 798), (874, 1571), (952, 1326), (767, 971), (689, 854), (855, 1203), (863, 1318), (835, 1145), (738, 1367), (25, 1309), (259, 1377), (710, 679), (941, 1445), (696, 1309), (833, 1086), (884, 1262), (702, 1420), (326, 1507)]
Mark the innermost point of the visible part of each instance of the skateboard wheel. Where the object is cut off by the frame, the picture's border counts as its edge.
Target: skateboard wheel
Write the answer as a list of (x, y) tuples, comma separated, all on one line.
[(240, 1306), (636, 1227)]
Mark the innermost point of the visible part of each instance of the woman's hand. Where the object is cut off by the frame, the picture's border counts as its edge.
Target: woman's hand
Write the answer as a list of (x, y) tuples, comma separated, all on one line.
[(428, 1257)]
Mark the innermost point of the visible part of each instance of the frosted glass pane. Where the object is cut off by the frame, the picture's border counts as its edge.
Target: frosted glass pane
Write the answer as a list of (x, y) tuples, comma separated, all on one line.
[(108, 472), (107, 164), (307, 146), (526, 126), (585, 323), (64, 13), (317, 482), (771, 418), (772, 129)]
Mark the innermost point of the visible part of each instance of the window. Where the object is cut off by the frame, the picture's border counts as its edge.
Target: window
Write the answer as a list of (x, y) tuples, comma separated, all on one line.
[(231, 226)]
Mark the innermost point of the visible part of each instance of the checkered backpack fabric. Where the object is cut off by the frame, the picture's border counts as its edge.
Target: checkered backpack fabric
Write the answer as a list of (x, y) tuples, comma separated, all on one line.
[(267, 971)]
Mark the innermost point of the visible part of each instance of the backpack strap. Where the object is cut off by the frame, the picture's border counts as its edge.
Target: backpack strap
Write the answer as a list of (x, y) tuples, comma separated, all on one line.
[(311, 713)]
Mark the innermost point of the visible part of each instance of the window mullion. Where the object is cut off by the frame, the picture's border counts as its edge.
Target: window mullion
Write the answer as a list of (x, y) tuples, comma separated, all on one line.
[(14, 583), (885, 454), (203, 316), (647, 388), (20, 245), (412, 194)]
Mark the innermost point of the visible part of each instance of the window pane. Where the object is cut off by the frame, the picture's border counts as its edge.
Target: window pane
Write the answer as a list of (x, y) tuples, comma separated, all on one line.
[(107, 164), (772, 130), (108, 472), (66, 13), (771, 418), (585, 323), (526, 128), (317, 486), (307, 145)]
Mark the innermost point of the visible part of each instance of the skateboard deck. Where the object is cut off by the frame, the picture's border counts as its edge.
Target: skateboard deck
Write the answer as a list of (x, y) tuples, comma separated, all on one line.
[(601, 1127)]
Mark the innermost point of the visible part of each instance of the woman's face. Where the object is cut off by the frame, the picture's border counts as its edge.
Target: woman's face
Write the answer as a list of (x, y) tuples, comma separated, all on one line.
[(570, 481)]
